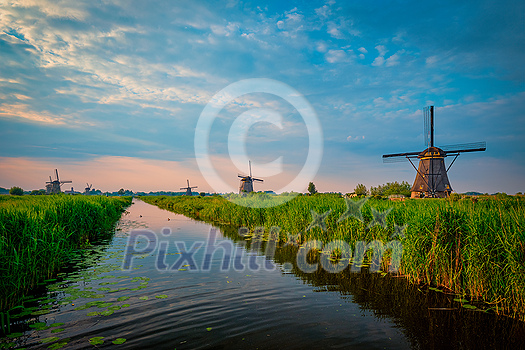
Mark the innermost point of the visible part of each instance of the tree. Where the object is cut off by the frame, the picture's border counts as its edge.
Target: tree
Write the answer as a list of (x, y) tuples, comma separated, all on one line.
[(16, 191), (202, 194), (361, 190), (121, 192), (311, 188)]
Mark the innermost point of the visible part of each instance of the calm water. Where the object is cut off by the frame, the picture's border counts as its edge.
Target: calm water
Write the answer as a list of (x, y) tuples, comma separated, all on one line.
[(168, 301)]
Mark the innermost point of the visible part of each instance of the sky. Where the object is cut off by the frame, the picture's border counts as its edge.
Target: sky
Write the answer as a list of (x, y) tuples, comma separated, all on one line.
[(111, 92)]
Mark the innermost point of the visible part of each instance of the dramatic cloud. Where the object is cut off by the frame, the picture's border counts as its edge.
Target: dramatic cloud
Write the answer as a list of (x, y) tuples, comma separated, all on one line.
[(123, 83)]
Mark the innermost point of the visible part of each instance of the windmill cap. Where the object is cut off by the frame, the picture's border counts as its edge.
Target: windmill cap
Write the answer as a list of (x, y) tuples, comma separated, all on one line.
[(432, 152)]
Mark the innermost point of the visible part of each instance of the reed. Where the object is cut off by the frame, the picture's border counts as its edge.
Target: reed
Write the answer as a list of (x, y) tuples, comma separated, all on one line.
[(38, 234), (475, 249)]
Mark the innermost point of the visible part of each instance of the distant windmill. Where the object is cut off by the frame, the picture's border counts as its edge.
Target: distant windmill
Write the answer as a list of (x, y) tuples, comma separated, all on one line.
[(431, 178), (188, 189), (88, 188), (247, 181), (53, 186)]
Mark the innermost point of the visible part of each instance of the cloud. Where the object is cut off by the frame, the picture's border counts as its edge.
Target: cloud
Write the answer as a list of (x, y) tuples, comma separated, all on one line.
[(378, 61), (55, 8), (355, 138), (394, 59), (323, 11), (334, 56), (23, 111), (333, 30)]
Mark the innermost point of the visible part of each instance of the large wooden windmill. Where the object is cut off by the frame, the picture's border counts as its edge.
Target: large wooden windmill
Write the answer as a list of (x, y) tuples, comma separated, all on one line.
[(431, 177), (87, 190), (188, 189), (247, 181), (53, 186)]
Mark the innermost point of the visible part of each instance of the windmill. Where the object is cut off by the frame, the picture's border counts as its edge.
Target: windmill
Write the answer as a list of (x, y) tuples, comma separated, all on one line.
[(188, 189), (53, 186), (88, 188), (247, 181), (431, 174)]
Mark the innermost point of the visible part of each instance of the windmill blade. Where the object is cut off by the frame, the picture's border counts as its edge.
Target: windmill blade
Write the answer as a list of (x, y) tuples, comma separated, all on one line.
[(56, 172), (66, 182), (400, 154), (465, 147), (254, 179), (242, 176)]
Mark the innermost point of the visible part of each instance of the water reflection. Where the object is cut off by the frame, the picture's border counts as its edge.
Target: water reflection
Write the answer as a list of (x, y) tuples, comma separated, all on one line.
[(429, 319)]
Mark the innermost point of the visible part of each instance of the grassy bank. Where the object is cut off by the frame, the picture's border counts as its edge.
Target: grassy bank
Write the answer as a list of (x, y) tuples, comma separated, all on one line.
[(475, 249), (39, 233)]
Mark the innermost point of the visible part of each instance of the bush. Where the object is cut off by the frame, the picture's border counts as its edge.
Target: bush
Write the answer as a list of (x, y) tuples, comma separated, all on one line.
[(16, 191)]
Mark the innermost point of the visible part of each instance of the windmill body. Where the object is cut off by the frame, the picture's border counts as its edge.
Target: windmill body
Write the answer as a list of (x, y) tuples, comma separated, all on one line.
[(88, 188), (431, 174), (188, 189), (54, 186), (431, 177), (246, 184)]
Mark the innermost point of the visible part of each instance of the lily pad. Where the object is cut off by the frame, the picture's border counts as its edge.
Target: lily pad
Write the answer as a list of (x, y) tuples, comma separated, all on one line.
[(104, 305), (209, 329), (57, 345), (122, 298), (41, 312), (93, 313), (467, 306), (15, 335), (37, 325), (82, 307), (143, 298), (49, 340), (107, 313), (96, 340), (125, 305), (57, 330), (57, 324), (162, 296), (119, 341)]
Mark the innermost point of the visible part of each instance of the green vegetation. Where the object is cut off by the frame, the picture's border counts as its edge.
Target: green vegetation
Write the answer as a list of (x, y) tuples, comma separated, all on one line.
[(473, 248), (311, 188), (39, 234), (16, 191), (360, 190), (391, 188)]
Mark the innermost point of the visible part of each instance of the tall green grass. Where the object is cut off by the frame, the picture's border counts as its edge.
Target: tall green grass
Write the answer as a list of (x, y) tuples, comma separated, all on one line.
[(472, 248), (39, 233)]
